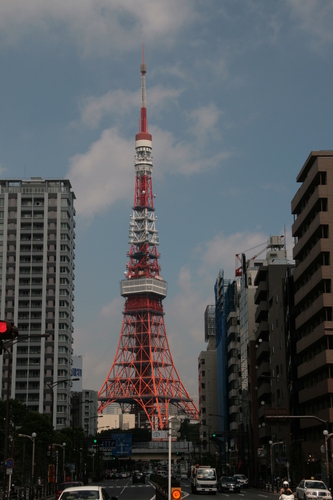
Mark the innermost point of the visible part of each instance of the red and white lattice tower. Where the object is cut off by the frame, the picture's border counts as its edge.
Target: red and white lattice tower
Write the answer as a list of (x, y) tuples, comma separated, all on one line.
[(143, 378)]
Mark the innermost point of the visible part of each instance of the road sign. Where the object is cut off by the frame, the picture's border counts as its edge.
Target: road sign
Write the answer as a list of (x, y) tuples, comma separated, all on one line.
[(9, 471), (175, 424), (176, 493), (9, 463), (118, 445), (107, 444)]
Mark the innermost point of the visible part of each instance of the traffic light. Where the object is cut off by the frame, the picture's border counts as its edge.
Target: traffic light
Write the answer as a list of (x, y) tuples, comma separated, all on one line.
[(95, 441), (214, 435), (176, 493), (8, 330)]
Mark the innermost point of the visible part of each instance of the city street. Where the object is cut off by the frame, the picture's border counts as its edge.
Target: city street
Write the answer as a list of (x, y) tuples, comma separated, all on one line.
[(125, 490)]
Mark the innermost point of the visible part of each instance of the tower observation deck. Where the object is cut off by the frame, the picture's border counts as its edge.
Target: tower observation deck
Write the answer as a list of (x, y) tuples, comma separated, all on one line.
[(143, 378)]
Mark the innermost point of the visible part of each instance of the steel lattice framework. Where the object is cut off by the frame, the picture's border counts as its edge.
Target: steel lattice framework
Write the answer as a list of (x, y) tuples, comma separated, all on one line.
[(143, 375)]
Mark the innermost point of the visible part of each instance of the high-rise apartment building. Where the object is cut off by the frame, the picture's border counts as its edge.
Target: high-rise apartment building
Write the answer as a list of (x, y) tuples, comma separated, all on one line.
[(247, 325), (271, 359), (207, 383), (312, 207), (37, 232)]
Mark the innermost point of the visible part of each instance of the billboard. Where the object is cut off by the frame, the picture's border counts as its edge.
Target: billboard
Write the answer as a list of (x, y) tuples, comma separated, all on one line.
[(77, 373), (162, 436)]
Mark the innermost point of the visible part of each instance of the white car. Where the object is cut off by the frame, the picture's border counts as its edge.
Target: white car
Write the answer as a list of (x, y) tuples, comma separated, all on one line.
[(85, 493), (311, 488), (243, 480)]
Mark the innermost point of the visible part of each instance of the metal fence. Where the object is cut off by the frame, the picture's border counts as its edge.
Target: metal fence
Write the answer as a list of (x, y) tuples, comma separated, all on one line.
[(24, 493)]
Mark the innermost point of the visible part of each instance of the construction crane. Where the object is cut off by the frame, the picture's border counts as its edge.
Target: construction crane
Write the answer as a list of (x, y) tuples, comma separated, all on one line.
[(238, 256)]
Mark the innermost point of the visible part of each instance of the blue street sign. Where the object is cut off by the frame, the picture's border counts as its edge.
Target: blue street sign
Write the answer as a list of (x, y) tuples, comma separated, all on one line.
[(118, 445), (107, 444), (9, 463)]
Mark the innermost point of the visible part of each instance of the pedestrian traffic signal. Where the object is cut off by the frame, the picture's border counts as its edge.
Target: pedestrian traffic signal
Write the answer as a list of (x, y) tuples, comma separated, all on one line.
[(8, 330), (176, 493)]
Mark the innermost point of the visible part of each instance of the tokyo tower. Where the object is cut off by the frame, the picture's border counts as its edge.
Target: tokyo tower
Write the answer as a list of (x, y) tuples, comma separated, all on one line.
[(143, 378)]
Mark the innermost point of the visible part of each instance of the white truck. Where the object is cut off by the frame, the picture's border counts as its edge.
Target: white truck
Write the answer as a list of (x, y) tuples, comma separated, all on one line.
[(203, 479), (183, 470)]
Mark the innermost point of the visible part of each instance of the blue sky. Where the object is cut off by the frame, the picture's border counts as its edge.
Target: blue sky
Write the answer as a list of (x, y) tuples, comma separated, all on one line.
[(238, 94)]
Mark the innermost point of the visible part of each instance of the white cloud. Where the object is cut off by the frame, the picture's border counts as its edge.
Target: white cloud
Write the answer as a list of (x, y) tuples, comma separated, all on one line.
[(316, 18), (103, 175), (121, 103), (98, 356), (204, 121), (94, 109), (179, 157), (95, 27), (219, 253)]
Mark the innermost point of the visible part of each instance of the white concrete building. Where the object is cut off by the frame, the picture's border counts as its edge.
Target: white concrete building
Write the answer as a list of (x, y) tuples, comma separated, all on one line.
[(37, 232)]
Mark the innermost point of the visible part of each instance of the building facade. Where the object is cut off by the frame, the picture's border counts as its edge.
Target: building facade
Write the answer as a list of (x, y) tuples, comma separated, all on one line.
[(89, 421), (312, 208), (37, 231), (247, 326), (207, 383), (271, 360)]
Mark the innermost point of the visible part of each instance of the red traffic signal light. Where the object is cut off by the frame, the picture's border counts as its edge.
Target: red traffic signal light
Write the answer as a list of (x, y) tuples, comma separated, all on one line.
[(7, 330), (176, 493)]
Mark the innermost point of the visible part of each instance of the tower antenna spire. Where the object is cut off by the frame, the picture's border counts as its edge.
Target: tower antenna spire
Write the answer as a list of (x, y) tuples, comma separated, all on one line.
[(143, 123)]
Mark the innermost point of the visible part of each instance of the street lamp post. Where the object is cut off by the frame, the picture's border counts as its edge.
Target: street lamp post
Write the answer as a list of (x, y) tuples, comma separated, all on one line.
[(96, 428), (225, 446), (33, 439), (172, 417), (63, 446), (52, 385), (327, 436), (271, 444), (7, 346)]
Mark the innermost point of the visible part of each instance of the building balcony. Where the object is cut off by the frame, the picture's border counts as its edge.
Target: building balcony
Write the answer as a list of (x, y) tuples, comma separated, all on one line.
[(264, 368), (232, 345), (316, 391), (321, 218), (319, 192), (324, 272), (310, 339), (262, 352), (262, 330), (315, 364), (234, 361), (301, 192), (233, 377), (263, 390), (233, 427), (261, 292), (261, 311), (234, 409), (324, 300)]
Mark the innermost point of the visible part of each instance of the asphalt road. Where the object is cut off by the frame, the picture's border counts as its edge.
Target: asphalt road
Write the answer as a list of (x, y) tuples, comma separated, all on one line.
[(125, 490)]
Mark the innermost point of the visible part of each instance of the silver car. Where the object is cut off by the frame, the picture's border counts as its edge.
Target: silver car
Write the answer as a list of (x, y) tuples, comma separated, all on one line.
[(309, 489)]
